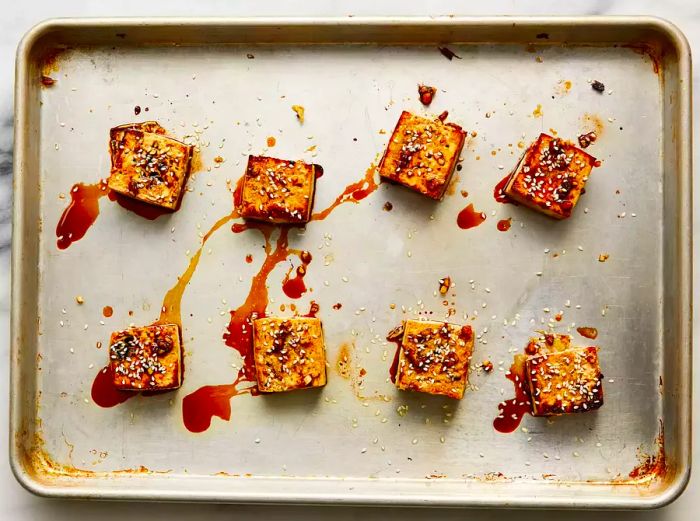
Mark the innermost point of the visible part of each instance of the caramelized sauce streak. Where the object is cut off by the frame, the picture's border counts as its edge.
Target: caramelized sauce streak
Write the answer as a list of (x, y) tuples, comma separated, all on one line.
[(353, 193), (104, 393), (170, 311), (512, 411), (469, 218), (80, 214), (394, 369)]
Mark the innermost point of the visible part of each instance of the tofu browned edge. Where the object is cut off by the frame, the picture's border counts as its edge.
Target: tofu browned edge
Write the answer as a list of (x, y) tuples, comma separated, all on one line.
[(252, 161), (453, 163), (148, 127), (515, 196)]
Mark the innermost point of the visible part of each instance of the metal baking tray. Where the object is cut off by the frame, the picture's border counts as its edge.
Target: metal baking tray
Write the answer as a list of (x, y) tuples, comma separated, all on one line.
[(228, 85)]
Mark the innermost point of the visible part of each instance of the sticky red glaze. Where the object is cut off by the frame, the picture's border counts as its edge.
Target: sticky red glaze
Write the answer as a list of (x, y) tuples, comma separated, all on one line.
[(80, 214), (512, 411), (504, 225), (469, 218), (353, 193), (314, 308), (107, 311), (147, 211), (103, 391), (294, 287), (499, 192)]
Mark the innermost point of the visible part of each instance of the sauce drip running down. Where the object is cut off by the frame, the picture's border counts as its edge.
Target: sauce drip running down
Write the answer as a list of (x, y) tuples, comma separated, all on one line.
[(513, 410), (469, 218)]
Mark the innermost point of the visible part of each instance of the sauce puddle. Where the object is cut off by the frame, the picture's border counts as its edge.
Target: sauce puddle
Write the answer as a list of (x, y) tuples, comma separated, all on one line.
[(470, 218), (513, 410)]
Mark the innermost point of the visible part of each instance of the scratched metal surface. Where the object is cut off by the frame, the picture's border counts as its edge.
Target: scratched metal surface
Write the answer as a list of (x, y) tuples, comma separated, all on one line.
[(332, 445)]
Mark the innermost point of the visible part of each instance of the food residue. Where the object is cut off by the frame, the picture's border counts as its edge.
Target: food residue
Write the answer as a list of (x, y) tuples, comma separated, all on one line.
[(585, 140), (445, 284), (79, 299), (504, 225), (107, 311), (448, 53), (299, 110), (388, 206), (469, 218), (538, 111), (598, 86), (603, 257), (426, 94), (47, 81), (587, 332), (487, 365), (271, 141)]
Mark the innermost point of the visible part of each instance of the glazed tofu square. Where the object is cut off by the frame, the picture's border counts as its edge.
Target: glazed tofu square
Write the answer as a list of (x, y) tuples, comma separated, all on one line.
[(289, 354), (434, 358), (277, 190), (146, 358), (550, 176), (565, 382), (422, 154), (147, 165)]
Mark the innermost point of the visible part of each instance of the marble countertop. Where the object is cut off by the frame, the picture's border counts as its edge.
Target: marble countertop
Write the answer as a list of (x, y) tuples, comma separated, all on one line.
[(15, 502)]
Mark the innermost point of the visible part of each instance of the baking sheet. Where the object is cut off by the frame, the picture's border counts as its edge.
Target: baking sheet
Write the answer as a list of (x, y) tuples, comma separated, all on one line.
[(351, 443)]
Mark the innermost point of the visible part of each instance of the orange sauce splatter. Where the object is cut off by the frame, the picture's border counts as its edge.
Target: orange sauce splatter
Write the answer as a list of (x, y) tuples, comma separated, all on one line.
[(469, 218), (107, 311), (353, 193), (271, 141), (504, 225)]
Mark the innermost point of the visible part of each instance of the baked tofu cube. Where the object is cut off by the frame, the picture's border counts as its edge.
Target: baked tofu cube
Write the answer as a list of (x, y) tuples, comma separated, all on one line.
[(434, 358), (147, 165), (422, 154), (289, 354), (146, 358), (565, 382), (277, 190), (550, 176)]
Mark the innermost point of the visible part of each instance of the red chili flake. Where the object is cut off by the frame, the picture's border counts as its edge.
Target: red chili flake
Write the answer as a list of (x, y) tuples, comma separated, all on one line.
[(443, 116), (585, 140), (47, 81), (426, 93), (448, 53)]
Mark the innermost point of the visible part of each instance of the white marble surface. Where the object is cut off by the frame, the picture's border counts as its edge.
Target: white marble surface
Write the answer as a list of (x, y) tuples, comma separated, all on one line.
[(15, 502)]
